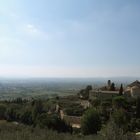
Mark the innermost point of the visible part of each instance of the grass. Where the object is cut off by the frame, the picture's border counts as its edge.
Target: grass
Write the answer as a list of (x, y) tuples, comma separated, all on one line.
[(11, 131)]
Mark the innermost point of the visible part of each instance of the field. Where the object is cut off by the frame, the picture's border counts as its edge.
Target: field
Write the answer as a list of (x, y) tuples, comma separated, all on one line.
[(41, 88)]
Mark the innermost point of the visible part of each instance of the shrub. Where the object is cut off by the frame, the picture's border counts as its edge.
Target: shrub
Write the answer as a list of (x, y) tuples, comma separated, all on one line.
[(91, 122)]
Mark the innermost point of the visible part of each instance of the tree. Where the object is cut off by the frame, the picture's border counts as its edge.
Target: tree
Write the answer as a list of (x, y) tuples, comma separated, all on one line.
[(105, 110), (112, 88), (121, 90), (91, 122), (121, 119), (84, 94), (2, 111), (113, 132), (88, 88), (11, 114), (134, 124), (18, 101), (37, 109), (95, 102), (53, 122), (26, 117), (109, 83), (138, 107), (119, 102)]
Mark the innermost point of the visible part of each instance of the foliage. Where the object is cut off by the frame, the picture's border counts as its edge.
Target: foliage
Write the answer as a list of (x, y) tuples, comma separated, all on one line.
[(113, 132), (88, 88), (53, 122), (91, 122), (138, 107), (43, 114), (119, 102), (11, 113), (10, 131), (121, 90), (84, 93), (105, 110), (74, 110), (2, 111), (134, 125), (37, 110), (26, 117), (95, 102), (112, 88), (121, 119)]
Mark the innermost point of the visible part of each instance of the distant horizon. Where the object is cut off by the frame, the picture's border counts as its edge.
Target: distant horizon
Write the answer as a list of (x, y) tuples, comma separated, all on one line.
[(75, 78)]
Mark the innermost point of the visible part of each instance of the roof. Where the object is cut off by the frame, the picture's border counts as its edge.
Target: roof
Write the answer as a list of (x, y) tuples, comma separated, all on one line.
[(136, 83), (135, 87)]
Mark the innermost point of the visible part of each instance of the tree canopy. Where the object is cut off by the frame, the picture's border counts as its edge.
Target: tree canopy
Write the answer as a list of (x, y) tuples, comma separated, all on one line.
[(91, 122)]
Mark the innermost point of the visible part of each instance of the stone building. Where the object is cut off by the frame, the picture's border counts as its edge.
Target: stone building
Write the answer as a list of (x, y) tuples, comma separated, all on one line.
[(133, 89)]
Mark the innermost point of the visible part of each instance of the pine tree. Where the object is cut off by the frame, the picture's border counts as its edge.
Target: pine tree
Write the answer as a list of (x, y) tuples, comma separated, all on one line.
[(121, 90)]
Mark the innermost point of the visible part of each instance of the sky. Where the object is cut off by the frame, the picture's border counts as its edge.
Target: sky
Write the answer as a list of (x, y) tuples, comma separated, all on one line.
[(69, 38)]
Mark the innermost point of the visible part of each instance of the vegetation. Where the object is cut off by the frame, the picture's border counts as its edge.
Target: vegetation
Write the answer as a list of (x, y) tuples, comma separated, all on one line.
[(138, 107), (113, 132), (91, 122), (40, 119), (112, 88), (121, 90), (84, 93), (11, 131)]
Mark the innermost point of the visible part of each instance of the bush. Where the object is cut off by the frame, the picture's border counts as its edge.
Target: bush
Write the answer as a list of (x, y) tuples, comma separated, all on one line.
[(121, 119), (2, 111), (119, 102), (113, 132), (91, 122), (53, 122)]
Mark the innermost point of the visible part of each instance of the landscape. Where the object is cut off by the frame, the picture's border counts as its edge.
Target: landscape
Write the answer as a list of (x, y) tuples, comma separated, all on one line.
[(69, 70), (68, 108), (27, 88)]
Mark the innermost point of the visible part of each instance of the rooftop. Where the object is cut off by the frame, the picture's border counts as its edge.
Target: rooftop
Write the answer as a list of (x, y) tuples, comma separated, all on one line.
[(136, 83)]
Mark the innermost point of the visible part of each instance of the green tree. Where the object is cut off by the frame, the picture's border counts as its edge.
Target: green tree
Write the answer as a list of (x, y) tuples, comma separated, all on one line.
[(11, 114), (37, 109), (112, 88), (138, 107), (53, 122), (84, 94), (26, 117), (105, 110), (89, 87), (18, 101), (95, 102), (91, 122), (119, 102), (121, 119), (134, 124), (2, 111), (113, 132), (121, 90)]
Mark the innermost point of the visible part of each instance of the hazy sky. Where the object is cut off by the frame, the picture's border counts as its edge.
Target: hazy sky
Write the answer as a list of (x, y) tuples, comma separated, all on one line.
[(69, 38)]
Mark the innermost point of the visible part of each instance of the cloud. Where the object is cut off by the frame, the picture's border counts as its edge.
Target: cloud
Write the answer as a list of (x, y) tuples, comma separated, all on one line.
[(20, 24), (35, 32), (31, 28)]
